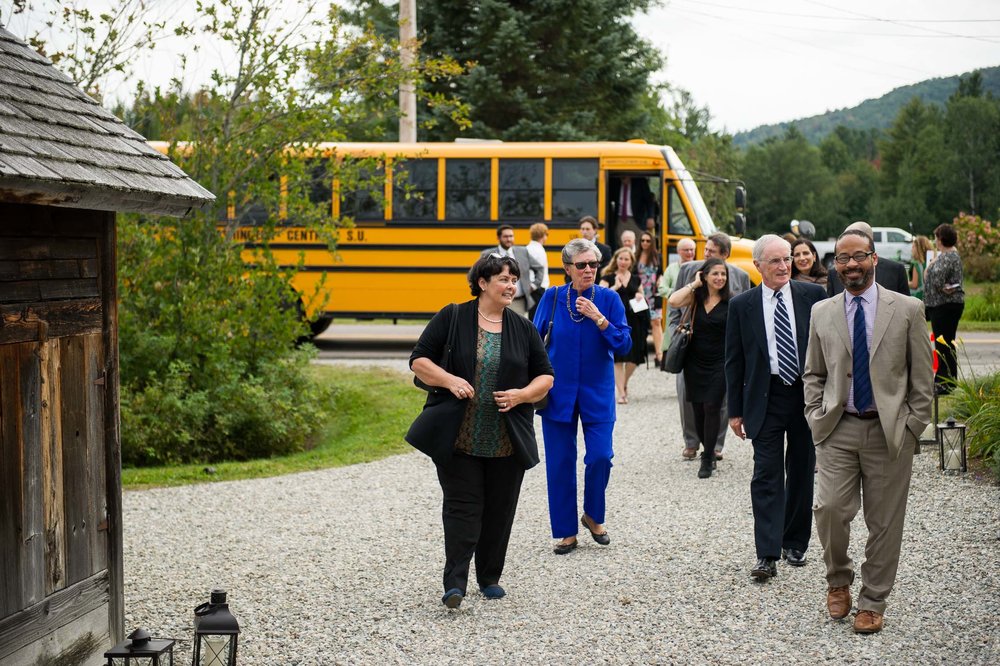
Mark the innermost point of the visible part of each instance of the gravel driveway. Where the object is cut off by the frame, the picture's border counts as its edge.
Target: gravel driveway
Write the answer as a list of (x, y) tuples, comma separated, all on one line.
[(344, 566)]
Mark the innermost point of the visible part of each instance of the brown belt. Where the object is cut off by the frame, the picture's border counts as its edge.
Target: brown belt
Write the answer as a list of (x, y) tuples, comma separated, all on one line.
[(867, 416)]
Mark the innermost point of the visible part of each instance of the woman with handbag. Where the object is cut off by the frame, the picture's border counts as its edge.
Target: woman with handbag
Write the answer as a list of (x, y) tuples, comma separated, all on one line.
[(484, 366), (707, 297), (588, 330)]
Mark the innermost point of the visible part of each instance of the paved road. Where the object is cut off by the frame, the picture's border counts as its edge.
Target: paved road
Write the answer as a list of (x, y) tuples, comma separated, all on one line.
[(979, 352)]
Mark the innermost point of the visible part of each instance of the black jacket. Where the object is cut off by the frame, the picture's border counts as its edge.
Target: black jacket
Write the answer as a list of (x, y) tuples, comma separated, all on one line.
[(522, 358)]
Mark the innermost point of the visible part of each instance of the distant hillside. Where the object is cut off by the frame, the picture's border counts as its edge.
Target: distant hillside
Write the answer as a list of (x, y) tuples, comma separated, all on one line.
[(878, 113)]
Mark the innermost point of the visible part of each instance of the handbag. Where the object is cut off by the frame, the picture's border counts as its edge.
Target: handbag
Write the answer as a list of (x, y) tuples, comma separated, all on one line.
[(673, 358), (445, 361)]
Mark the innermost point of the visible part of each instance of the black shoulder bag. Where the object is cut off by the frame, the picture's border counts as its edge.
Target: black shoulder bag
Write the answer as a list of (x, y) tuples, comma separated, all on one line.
[(673, 358)]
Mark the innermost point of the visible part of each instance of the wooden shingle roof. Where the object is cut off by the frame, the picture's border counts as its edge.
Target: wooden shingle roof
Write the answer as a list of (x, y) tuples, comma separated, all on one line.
[(59, 147)]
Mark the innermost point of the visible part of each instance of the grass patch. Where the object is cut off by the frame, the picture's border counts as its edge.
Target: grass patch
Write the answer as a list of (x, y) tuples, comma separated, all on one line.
[(371, 408)]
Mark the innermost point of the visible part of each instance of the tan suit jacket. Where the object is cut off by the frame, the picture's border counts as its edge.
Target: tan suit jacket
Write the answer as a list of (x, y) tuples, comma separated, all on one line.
[(900, 363)]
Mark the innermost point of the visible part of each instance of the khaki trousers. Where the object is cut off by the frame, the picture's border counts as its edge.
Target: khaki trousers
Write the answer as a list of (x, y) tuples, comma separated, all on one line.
[(520, 305), (854, 462)]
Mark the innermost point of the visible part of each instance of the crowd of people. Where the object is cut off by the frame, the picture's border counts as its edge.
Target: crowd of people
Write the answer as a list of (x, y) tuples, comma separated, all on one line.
[(827, 373)]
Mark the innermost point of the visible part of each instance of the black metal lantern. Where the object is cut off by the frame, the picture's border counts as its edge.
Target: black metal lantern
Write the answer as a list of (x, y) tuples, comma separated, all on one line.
[(215, 632), (141, 649), (951, 446)]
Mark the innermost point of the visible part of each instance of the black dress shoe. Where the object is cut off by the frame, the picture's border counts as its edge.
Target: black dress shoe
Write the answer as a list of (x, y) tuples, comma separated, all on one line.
[(796, 558), (764, 569), (564, 548), (600, 537)]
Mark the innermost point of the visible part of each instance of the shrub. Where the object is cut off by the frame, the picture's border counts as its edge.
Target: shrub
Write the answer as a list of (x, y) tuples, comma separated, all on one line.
[(979, 245), (976, 401), (984, 306)]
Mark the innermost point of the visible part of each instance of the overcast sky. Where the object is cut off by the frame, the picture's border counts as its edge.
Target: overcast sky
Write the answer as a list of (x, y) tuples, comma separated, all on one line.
[(765, 61)]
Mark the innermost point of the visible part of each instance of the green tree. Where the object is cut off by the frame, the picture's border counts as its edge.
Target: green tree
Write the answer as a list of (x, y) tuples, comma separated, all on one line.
[(973, 137), (553, 70)]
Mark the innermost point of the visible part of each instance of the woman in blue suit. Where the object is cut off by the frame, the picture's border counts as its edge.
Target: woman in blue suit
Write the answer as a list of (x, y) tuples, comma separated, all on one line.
[(587, 329)]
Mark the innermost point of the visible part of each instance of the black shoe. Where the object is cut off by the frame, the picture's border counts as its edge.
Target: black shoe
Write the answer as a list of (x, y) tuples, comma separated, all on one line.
[(453, 598), (601, 538), (563, 548), (796, 558), (764, 569), (707, 465)]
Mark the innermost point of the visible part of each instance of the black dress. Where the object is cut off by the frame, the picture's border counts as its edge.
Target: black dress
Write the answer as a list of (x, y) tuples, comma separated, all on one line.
[(704, 362), (639, 321)]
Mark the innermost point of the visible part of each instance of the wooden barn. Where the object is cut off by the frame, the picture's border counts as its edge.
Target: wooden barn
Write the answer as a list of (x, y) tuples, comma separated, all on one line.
[(66, 166)]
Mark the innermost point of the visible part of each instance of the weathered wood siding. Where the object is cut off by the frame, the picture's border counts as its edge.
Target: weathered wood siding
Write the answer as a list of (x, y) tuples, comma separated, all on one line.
[(58, 427)]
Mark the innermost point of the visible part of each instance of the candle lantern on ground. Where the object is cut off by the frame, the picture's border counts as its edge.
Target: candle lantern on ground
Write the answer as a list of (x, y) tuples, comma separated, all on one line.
[(141, 649), (215, 632), (951, 446)]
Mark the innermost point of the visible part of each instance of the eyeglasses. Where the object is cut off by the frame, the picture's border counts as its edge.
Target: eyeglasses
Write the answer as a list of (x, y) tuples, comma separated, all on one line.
[(580, 265), (645, 240), (777, 261), (857, 256)]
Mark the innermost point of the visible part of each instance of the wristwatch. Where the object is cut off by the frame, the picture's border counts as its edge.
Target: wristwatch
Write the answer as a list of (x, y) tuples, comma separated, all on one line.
[(600, 322)]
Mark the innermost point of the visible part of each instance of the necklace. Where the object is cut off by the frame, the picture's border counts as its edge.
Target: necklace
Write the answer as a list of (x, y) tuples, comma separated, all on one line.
[(492, 321), (577, 318)]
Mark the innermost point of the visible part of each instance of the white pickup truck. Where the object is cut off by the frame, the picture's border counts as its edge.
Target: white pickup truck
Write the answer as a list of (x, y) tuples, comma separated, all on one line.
[(890, 242)]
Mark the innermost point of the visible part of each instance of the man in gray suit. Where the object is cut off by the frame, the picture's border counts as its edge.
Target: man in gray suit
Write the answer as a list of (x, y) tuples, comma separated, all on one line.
[(717, 245), (531, 270), (868, 385)]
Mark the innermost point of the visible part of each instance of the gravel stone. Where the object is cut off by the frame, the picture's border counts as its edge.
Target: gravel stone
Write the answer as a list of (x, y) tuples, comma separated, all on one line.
[(343, 566)]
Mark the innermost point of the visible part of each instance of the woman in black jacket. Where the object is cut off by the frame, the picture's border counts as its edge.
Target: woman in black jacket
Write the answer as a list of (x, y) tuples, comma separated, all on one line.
[(485, 366)]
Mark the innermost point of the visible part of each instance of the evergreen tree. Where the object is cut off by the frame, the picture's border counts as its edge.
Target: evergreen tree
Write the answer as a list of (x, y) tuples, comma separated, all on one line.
[(541, 70)]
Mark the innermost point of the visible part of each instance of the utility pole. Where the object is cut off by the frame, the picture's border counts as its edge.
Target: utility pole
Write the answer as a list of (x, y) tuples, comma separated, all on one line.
[(408, 57)]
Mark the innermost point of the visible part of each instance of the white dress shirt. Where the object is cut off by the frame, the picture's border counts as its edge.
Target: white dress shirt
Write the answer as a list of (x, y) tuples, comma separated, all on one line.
[(770, 301)]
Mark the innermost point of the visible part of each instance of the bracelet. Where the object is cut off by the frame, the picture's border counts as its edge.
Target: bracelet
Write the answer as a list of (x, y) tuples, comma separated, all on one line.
[(600, 322)]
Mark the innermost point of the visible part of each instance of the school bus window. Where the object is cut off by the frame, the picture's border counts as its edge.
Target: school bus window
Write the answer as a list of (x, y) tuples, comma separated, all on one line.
[(467, 190), (522, 189), (251, 208), (414, 190), (358, 198), (574, 188), (320, 181), (679, 223)]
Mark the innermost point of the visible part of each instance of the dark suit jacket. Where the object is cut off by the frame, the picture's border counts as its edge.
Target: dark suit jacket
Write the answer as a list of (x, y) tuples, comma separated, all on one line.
[(641, 200), (888, 273), (522, 358), (748, 367)]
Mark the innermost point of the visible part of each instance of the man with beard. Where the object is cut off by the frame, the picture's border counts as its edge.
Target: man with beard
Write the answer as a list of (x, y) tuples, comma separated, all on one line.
[(890, 274), (868, 386), (766, 335)]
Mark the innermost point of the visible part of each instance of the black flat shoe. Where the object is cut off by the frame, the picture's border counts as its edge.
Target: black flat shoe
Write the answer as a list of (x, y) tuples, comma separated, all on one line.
[(601, 538), (764, 569), (453, 598), (796, 558), (563, 548)]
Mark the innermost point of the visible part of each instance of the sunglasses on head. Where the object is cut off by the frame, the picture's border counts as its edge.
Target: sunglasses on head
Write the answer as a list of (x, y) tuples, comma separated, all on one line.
[(580, 265)]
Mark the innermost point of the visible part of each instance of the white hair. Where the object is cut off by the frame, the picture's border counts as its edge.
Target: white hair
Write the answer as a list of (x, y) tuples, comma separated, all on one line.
[(576, 247), (761, 244)]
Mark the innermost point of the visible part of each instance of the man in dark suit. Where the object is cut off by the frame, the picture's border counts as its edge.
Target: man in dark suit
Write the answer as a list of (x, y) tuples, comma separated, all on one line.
[(531, 269), (766, 335), (888, 273), (634, 206)]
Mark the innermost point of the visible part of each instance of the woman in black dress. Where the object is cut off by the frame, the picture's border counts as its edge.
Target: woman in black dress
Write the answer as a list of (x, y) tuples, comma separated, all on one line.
[(704, 361), (620, 275)]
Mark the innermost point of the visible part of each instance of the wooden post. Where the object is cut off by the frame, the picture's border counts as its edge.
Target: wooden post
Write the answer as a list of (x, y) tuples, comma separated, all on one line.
[(408, 57)]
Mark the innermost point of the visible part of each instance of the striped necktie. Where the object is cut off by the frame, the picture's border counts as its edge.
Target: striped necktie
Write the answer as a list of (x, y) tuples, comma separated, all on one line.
[(788, 361), (859, 356)]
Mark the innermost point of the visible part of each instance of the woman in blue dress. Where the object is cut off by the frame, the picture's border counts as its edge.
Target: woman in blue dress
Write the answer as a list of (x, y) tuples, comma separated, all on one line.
[(588, 329)]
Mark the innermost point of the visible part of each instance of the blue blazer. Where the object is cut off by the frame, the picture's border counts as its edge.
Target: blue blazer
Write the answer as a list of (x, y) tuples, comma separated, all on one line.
[(582, 355), (748, 367)]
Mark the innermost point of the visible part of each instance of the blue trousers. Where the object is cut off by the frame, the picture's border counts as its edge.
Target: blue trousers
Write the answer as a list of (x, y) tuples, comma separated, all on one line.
[(560, 472)]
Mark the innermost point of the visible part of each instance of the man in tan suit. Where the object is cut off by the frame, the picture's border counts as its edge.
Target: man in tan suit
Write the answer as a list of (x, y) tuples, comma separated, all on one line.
[(868, 384)]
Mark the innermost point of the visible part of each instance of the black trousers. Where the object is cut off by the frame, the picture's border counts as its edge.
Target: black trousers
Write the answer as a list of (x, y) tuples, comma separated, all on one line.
[(781, 489), (480, 498), (944, 323), (707, 424)]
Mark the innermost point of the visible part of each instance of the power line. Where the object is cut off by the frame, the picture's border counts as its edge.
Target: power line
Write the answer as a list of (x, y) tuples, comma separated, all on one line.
[(838, 18), (904, 23)]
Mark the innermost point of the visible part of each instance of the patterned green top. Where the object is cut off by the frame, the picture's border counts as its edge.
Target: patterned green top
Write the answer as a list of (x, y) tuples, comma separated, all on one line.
[(484, 432)]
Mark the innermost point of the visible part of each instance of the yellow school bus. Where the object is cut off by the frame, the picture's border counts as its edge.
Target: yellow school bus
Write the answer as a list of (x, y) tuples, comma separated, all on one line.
[(409, 249)]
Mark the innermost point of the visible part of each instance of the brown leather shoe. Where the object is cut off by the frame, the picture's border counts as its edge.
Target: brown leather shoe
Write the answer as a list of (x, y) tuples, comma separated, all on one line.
[(867, 622), (838, 602)]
